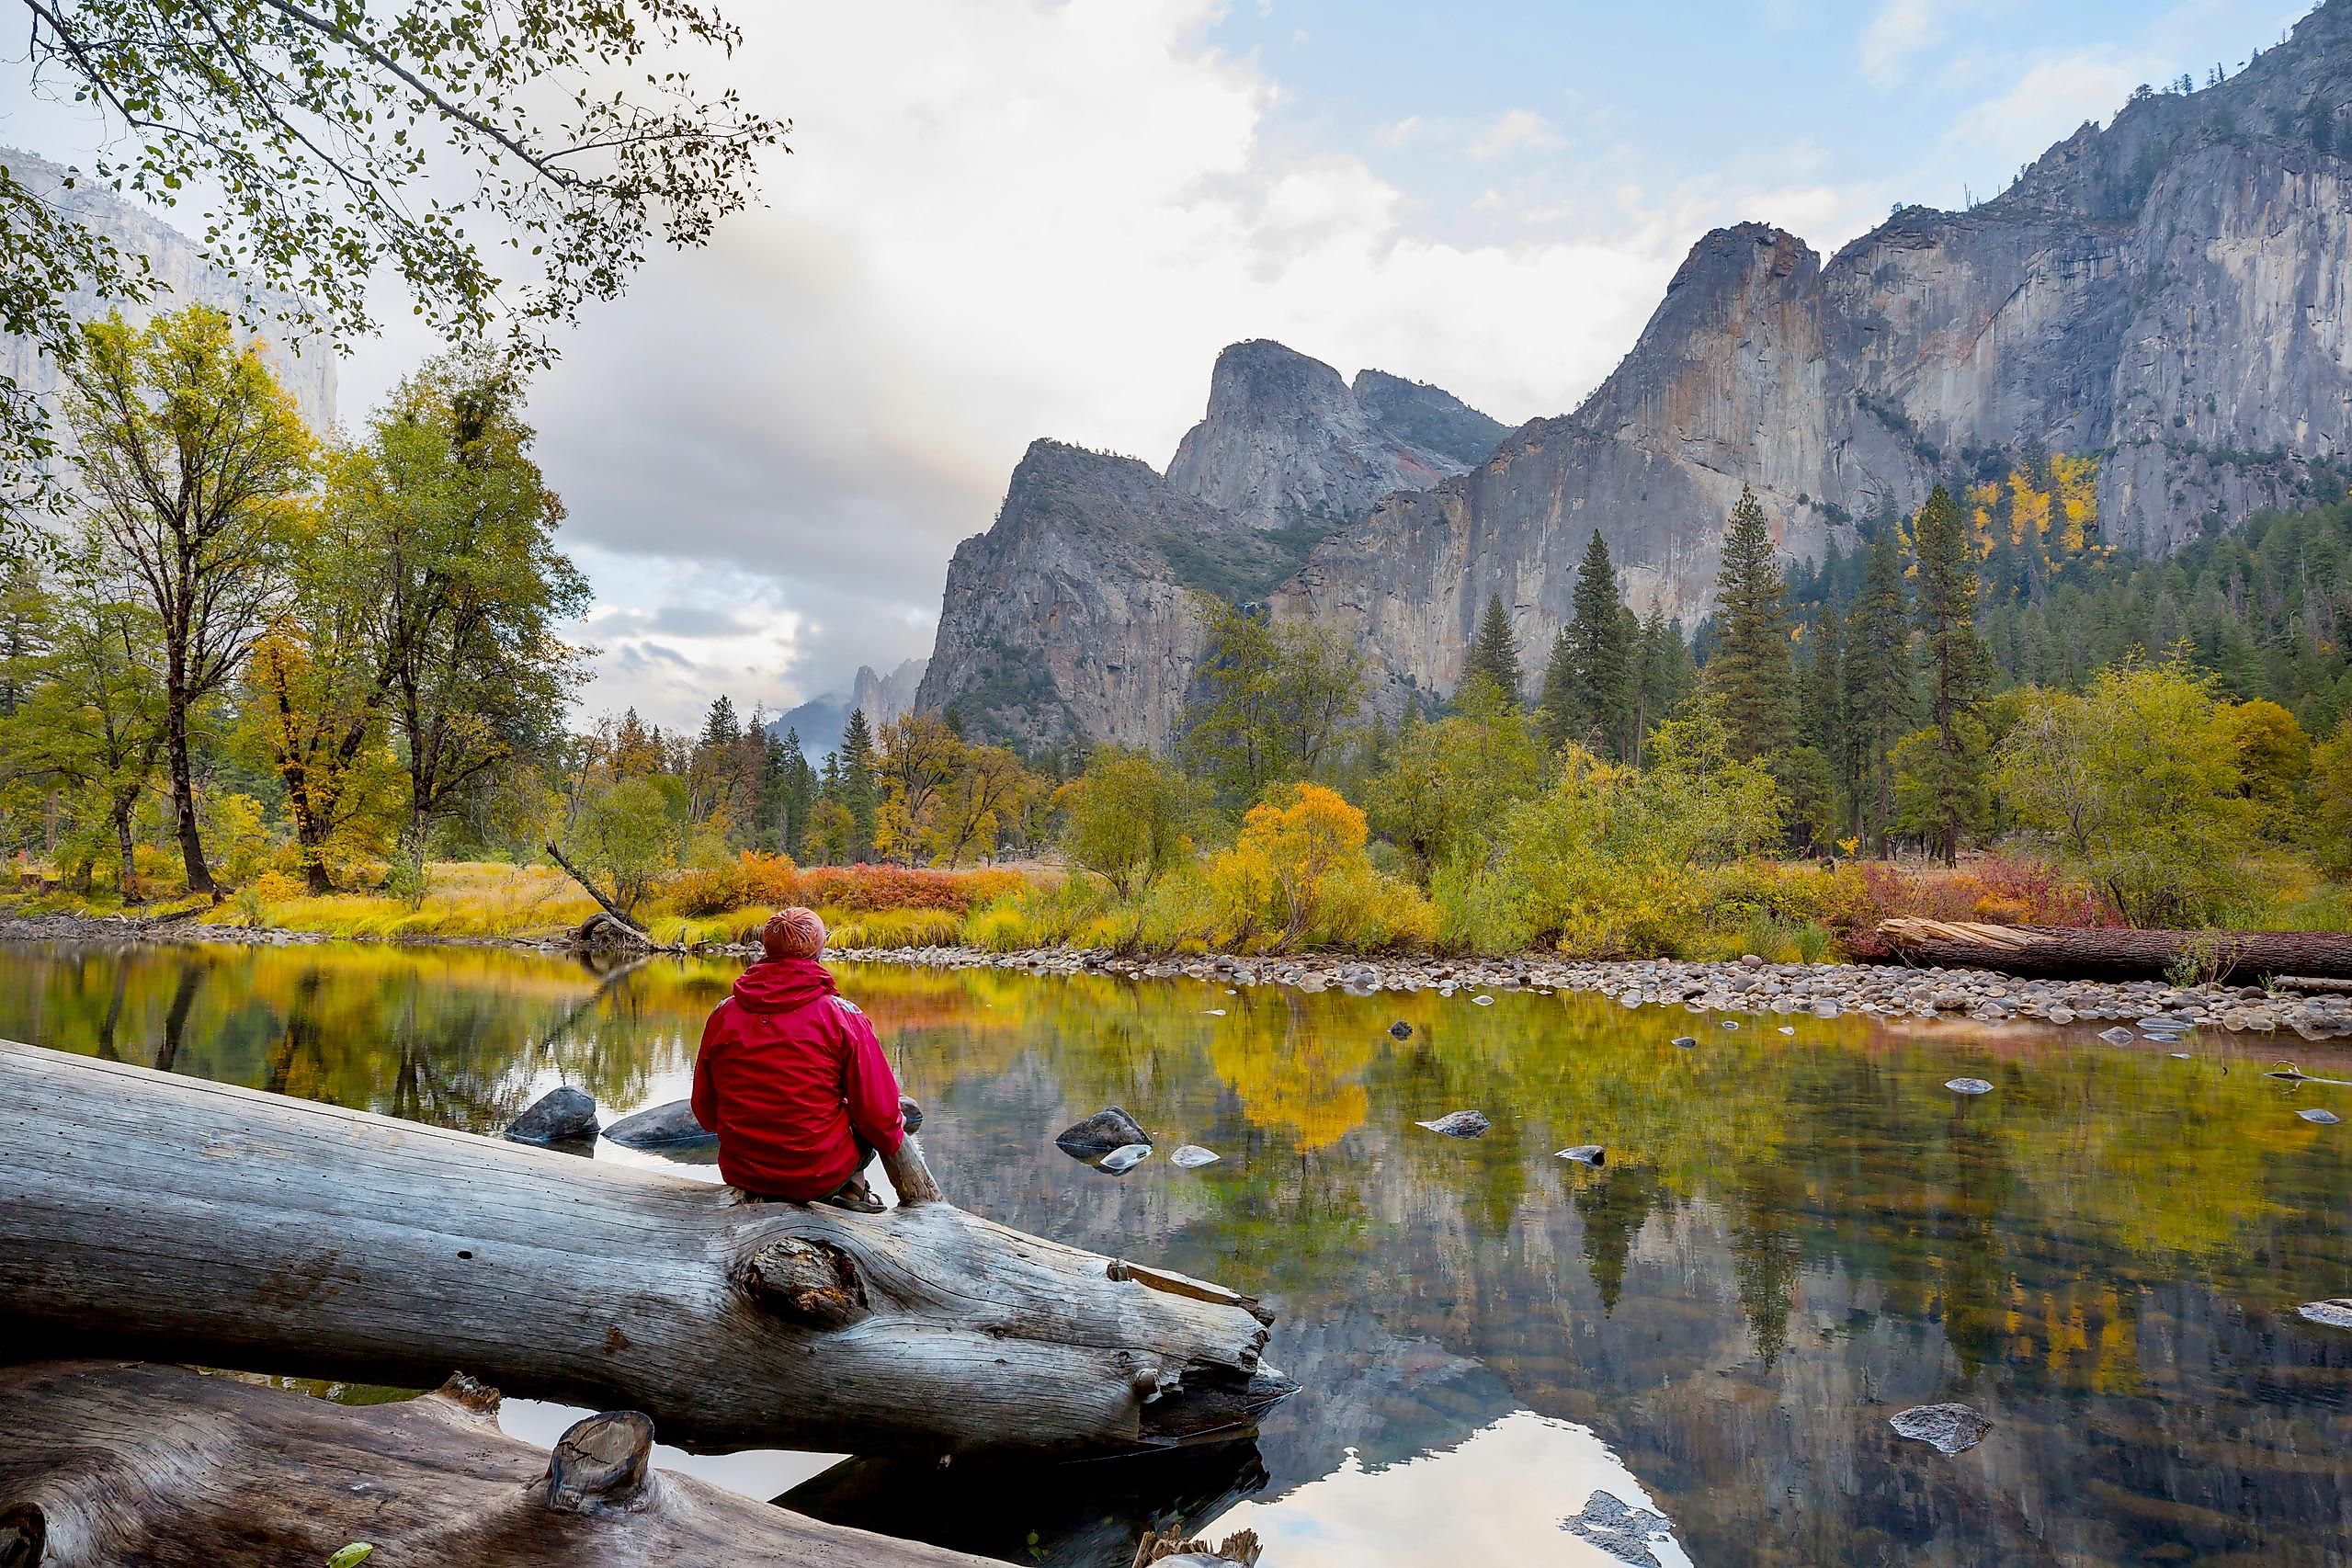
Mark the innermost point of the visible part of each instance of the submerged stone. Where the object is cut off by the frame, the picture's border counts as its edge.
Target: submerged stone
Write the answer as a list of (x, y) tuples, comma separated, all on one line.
[(1110, 1128), (670, 1126), (1949, 1428), (1120, 1161), (1400, 1031), (1585, 1155), (1192, 1155), (1623, 1531), (1684, 1041), (559, 1116), (2336, 1313), (2115, 1036), (1730, 1022), (1484, 1001), (1968, 1085), (1459, 1124), (2325, 1118)]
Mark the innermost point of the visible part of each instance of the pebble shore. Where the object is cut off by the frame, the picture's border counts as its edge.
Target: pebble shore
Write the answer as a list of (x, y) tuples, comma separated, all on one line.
[(1748, 986)]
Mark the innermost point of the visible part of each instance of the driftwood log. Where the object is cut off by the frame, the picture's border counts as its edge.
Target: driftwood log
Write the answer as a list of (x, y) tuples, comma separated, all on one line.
[(2085, 953), (168, 1219), (104, 1464)]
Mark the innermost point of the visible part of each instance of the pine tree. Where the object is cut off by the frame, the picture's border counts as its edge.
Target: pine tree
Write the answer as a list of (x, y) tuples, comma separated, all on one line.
[(859, 790), (1879, 695), (1665, 675), (1750, 670), (1494, 653), (1559, 702), (1958, 664), (1597, 702)]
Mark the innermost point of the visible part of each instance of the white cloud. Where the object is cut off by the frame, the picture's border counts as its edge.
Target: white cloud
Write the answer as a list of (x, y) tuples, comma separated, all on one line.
[(1396, 133), (1901, 29), (2054, 96), (1514, 129)]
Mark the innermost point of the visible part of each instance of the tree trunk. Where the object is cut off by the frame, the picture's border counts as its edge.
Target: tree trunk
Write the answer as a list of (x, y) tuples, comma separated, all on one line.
[(602, 903), (2096, 952), (126, 879), (102, 1463), (191, 842), (171, 1219)]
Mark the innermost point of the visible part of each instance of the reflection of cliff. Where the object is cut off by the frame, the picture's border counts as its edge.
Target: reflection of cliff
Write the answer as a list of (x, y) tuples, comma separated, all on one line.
[(1793, 1237)]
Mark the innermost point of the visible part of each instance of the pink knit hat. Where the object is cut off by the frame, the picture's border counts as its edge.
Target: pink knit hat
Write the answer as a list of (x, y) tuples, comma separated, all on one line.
[(794, 933)]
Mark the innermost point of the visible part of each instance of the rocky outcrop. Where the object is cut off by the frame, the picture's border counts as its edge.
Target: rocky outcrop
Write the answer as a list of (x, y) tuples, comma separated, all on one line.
[(2169, 294), (1071, 616), (886, 699), (1078, 615), (185, 277), (1285, 442)]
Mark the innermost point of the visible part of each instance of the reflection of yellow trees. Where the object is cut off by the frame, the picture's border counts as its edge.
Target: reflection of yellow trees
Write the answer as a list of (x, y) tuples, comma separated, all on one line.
[(1295, 1077)]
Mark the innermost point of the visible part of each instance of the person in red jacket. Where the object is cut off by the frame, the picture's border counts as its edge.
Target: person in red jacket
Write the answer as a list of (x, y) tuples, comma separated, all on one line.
[(792, 1080)]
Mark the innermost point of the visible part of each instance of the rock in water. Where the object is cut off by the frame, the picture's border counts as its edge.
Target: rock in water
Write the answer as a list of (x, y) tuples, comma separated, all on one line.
[(1110, 1128), (1192, 1156), (1400, 1031), (2336, 1313), (1118, 1162), (1950, 1429), (2115, 1036), (670, 1126), (1459, 1124), (909, 1115), (1484, 1001), (559, 1116), (1684, 1041), (1621, 1530), (1584, 1154), (1969, 1086), (2325, 1118)]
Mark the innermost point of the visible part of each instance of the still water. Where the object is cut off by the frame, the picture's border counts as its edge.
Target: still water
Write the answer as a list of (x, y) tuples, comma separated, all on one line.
[(1794, 1236)]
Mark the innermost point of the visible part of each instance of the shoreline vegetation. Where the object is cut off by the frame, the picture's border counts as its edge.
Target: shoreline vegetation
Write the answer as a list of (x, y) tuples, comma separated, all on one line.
[(1980, 712)]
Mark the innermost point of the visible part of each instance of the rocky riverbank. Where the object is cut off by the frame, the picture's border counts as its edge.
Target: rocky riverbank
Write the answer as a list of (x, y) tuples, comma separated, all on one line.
[(1749, 985)]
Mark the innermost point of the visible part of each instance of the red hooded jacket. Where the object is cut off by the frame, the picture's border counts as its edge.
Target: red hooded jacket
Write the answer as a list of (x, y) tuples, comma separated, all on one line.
[(790, 1076)]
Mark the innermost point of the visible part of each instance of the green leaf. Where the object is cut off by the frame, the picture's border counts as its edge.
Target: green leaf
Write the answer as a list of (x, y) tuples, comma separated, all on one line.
[(349, 1557)]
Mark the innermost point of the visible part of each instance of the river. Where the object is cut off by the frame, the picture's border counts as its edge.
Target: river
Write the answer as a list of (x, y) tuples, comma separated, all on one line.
[(1797, 1232)]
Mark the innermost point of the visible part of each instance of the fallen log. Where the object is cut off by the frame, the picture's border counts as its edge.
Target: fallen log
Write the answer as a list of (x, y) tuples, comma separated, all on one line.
[(168, 1219), (103, 1463), (2086, 953)]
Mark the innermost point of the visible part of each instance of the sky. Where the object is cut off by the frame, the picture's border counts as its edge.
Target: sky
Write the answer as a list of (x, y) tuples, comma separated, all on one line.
[(1002, 220)]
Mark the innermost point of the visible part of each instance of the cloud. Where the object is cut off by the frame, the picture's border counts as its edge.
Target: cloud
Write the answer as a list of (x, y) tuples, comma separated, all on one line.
[(1901, 29), (2050, 97), (1514, 129), (1396, 133)]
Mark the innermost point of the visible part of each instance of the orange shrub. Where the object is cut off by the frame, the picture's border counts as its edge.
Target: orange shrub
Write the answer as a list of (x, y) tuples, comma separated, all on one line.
[(865, 889), (1996, 890)]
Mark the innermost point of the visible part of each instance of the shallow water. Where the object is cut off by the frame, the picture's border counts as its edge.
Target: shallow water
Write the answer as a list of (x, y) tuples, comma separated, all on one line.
[(1792, 1238)]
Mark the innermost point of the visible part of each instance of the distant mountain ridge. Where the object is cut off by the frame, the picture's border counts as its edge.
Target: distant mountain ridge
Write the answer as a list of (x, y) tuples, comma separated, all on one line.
[(821, 720), (2171, 295)]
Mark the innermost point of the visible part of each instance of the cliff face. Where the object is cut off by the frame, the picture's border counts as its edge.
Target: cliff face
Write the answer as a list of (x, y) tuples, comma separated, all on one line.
[(1068, 618), (1078, 614), (187, 278), (2170, 294), (1286, 441)]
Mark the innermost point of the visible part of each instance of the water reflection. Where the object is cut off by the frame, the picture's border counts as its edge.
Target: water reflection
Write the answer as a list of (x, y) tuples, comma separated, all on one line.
[(1793, 1238)]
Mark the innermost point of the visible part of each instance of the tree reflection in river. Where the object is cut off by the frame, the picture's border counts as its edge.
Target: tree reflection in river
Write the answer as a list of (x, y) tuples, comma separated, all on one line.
[(1793, 1237)]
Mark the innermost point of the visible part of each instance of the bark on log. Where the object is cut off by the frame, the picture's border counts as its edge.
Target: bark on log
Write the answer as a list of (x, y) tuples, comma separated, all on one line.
[(2081, 953), (103, 1464), (169, 1219)]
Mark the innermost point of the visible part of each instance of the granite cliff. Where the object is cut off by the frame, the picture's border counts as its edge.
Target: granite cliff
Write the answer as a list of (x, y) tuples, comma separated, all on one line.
[(2171, 295), (178, 265), (1076, 615)]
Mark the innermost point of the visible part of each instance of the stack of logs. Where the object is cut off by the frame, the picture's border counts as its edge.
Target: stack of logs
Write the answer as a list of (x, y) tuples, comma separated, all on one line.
[(146, 1217)]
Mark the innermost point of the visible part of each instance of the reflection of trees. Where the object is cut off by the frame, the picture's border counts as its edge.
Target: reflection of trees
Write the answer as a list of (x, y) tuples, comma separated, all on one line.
[(1615, 1203), (1293, 1077)]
